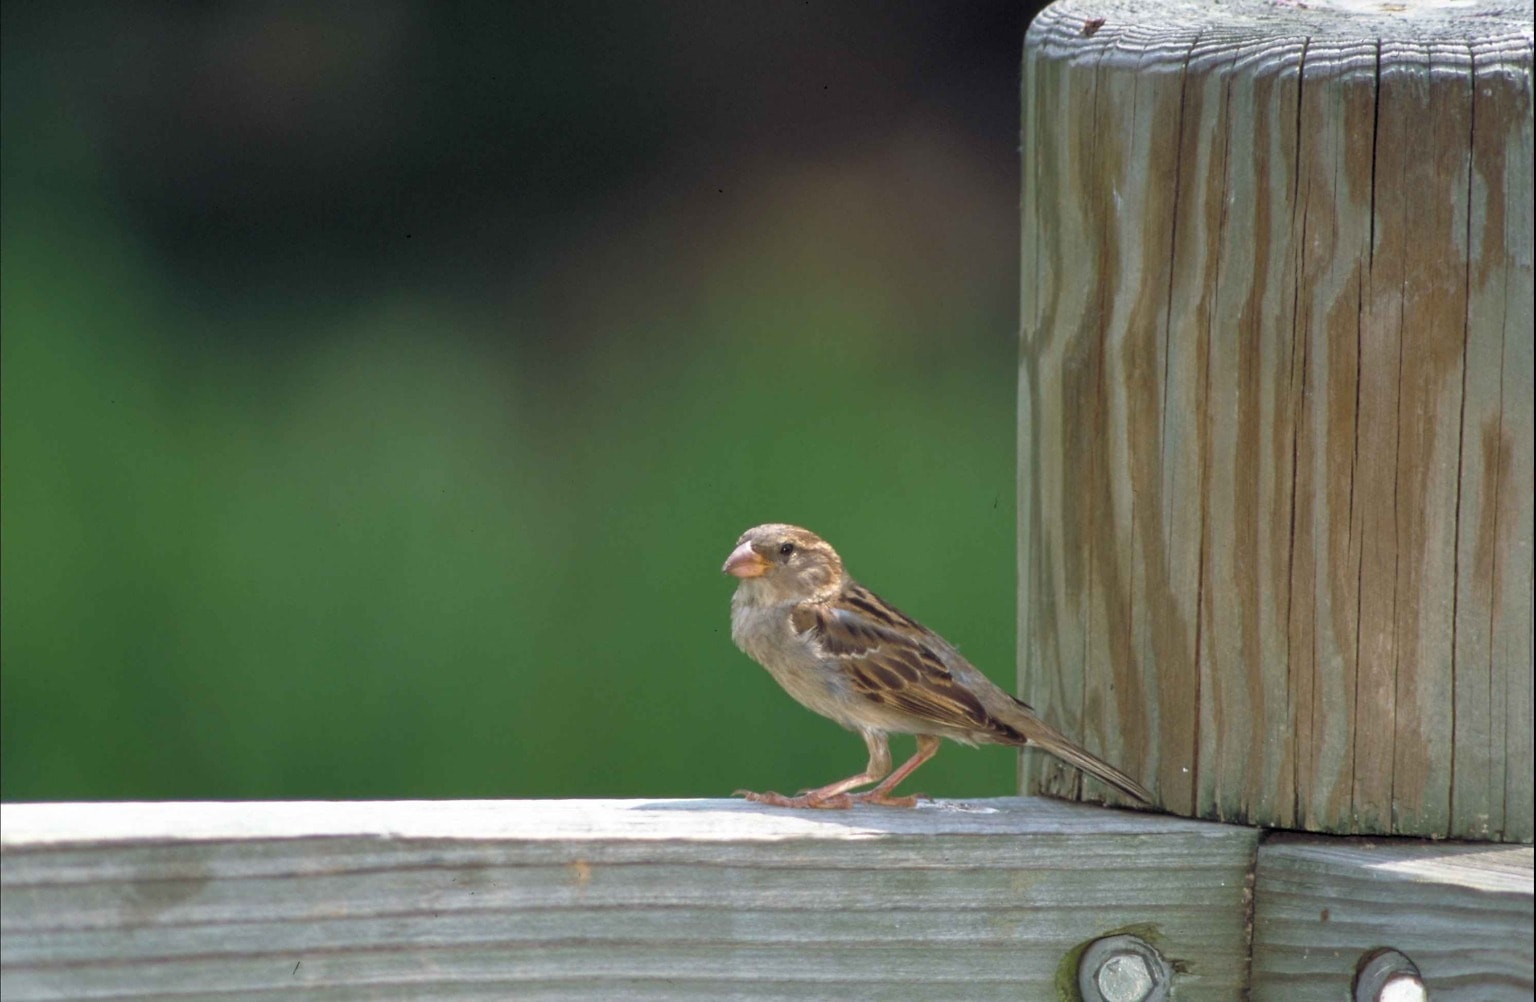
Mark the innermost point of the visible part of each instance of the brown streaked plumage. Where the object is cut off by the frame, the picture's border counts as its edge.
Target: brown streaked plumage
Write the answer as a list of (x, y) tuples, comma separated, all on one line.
[(842, 651)]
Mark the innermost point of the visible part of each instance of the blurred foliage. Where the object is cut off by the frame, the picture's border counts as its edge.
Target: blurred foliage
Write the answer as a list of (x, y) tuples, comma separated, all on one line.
[(383, 387)]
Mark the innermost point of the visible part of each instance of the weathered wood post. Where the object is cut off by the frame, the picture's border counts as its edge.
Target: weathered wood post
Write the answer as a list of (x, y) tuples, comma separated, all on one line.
[(1276, 407)]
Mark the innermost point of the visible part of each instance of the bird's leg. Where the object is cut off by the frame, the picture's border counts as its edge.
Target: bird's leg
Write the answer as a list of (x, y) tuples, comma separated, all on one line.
[(927, 747), (835, 795)]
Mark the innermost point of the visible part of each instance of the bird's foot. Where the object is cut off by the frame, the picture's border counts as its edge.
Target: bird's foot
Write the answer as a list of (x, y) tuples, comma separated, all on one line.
[(879, 799), (837, 801)]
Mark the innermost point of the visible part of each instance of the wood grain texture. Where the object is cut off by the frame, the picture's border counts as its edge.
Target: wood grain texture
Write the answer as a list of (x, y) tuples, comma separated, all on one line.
[(1461, 912), (1276, 441), (604, 899)]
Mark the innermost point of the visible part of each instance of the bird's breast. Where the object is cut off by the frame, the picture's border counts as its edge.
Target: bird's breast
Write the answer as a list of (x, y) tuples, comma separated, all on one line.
[(766, 635)]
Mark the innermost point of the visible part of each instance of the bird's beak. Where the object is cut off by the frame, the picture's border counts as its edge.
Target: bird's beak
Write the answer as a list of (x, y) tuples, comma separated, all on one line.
[(745, 562)]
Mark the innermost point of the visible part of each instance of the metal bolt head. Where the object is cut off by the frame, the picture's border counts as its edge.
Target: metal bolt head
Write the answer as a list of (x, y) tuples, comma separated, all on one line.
[(1124, 977), (1388, 975), (1122, 969), (1403, 988)]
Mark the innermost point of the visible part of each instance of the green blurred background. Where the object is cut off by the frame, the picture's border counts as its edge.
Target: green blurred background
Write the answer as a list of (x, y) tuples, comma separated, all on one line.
[(384, 384)]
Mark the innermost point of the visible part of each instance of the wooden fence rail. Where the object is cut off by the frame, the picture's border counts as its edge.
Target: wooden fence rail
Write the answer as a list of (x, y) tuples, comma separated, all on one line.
[(1018, 898), (606, 899)]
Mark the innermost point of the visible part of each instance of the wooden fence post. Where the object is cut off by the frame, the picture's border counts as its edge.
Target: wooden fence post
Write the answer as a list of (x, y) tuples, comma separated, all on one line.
[(1276, 407)]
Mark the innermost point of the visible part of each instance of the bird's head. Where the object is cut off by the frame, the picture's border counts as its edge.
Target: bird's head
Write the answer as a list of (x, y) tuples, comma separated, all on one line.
[(784, 563)]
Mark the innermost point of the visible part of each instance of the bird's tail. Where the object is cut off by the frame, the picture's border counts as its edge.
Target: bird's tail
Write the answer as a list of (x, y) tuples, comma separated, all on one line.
[(1094, 766), (1045, 737)]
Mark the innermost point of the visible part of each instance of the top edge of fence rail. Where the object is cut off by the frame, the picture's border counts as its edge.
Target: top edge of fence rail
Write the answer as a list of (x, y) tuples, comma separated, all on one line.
[(47, 825)]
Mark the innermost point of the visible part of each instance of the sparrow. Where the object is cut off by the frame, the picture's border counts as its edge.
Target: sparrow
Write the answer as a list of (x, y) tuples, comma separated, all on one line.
[(844, 652)]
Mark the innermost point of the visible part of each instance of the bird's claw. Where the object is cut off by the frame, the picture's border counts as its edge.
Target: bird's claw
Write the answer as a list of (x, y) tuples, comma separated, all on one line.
[(876, 798), (838, 801)]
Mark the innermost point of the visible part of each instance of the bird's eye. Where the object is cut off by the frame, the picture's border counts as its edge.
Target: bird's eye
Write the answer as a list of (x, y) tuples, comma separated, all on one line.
[(785, 549)]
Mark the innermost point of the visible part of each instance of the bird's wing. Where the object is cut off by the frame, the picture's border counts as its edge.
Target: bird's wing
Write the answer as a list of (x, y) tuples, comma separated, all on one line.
[(892, 660)]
